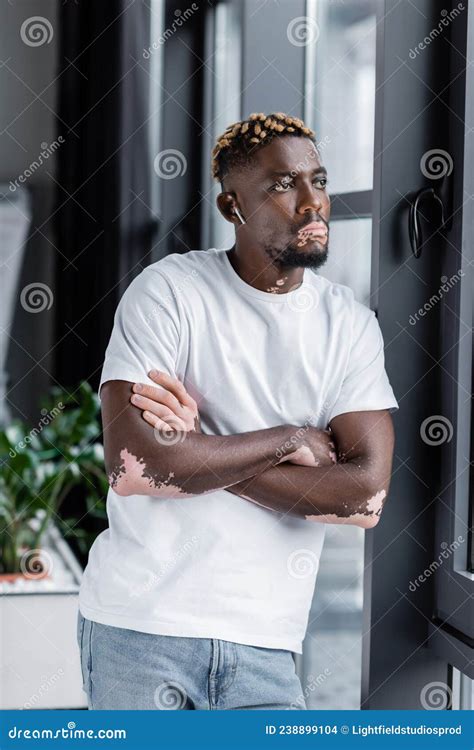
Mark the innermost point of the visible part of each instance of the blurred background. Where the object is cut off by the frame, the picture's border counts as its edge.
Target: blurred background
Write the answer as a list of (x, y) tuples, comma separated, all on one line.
[(109, 115)]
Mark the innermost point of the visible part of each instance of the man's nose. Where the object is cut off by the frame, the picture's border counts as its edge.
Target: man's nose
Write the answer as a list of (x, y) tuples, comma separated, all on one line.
[(309, 199)]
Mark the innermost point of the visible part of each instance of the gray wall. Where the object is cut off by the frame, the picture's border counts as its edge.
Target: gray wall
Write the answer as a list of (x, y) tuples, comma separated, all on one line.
[(27, 119)]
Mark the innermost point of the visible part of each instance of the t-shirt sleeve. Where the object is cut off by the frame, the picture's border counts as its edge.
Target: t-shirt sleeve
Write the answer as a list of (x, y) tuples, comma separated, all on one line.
[(145, 333), (365, 386)]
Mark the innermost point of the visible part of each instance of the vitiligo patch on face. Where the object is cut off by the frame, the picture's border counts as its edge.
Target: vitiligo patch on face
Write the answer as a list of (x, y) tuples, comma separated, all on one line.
[(132, 473), (311, 234)]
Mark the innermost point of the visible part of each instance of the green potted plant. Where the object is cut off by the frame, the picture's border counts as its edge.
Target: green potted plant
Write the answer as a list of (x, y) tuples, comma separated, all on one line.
[(40, 467)]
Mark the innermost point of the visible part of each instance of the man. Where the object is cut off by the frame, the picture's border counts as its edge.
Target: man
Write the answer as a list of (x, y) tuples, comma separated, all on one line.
[(272, 419)]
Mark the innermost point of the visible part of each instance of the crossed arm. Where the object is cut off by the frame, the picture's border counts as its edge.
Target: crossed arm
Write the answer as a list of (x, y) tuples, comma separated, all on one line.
[(289, 469)]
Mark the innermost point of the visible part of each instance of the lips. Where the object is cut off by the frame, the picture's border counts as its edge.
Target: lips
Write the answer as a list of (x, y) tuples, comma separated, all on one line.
[(315, 229)]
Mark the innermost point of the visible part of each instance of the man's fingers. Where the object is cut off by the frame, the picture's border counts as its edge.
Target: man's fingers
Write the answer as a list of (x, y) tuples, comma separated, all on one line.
[(170, 425), (160, 408), (174, 386), (158, 396)]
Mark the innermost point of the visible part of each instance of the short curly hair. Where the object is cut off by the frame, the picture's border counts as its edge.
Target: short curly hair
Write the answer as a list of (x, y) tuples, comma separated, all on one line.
[(234, 148)]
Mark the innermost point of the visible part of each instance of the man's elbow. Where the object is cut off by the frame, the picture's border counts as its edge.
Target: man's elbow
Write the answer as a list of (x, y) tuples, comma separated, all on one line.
[(121, 487), (125, 474), (370, 516), (122, 484), (368, 522)]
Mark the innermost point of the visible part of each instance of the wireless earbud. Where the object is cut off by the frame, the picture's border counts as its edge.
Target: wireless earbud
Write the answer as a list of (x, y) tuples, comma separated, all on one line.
[(237, 212)]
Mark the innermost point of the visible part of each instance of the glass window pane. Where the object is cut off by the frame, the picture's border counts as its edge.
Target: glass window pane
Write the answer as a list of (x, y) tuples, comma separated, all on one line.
[(332, 652), (332, 648), (341, 91), (226, 101), (349, 258)]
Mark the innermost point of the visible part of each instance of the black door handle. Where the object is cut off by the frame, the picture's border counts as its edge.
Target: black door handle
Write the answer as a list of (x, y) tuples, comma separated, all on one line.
[(414, 228)]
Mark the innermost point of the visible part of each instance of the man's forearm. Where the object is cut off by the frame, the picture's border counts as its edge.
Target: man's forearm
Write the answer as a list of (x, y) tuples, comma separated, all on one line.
[(143, 461), (196, 463), (340, 493)]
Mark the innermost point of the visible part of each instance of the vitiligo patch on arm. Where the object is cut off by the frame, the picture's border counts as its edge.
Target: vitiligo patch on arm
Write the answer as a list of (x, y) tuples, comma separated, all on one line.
[(373, 508), (131, 475)]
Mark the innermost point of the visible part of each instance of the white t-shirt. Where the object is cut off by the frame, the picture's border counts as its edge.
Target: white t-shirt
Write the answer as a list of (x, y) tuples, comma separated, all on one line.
[(217, 565)]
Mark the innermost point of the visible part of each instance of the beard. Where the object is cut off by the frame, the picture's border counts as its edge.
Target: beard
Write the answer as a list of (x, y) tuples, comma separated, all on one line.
[(292, 257)]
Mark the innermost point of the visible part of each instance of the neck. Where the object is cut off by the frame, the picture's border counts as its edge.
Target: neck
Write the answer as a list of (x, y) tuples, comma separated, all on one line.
[(258, 270)]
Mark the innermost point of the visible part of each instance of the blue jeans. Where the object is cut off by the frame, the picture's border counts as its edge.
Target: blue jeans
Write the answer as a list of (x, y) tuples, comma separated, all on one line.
[(125, 669)]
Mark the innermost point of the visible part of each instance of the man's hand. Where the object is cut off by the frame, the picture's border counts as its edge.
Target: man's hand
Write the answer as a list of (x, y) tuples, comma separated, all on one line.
[(313, 447), (170, 407)]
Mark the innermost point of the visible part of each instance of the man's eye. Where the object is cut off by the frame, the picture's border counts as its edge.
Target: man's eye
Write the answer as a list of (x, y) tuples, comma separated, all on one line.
[(324, 180), (281, 187)]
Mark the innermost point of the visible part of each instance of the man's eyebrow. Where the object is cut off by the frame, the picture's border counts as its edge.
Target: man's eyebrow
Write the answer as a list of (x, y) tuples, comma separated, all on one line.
[(291, 172)]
